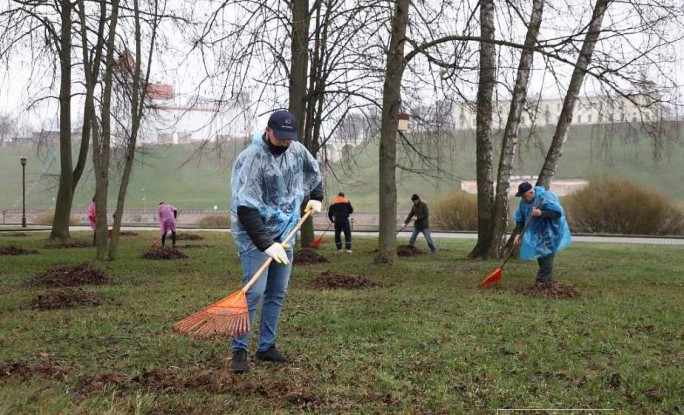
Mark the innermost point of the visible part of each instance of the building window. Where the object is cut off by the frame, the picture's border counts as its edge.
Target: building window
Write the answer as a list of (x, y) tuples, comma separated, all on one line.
[(589, 118), (522, 120), (634, 117), (579, 119)]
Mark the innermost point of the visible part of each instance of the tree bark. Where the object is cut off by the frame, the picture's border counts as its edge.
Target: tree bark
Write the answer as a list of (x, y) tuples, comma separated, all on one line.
[(510, 138), (391, 106), (483, 132), (65, 193)]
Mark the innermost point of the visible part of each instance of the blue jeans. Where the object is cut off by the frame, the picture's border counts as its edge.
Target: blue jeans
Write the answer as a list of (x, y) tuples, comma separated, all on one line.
[(271, 287), (428, 238)]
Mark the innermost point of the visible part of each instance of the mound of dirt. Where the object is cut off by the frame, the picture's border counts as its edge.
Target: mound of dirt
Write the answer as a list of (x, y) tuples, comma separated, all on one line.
[(65, 298), (70, 276), (15, 250), (193, 246), (70, 243), (331, 279), (408, 250), (164, 253), (553, 290), (308, 256), (18, 234), (30, 370), (188, 237), (128, 233)]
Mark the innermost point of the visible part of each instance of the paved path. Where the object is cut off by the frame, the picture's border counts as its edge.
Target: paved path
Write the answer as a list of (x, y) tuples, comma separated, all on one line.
[(405, 234)]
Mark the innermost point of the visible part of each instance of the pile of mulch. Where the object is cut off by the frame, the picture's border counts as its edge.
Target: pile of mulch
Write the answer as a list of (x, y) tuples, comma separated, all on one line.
[(308, 256), (193, 246), (188, 237), (552, 290), (164, 253), (408, 250), (65, 298), (15, 250), (70, 276), (70, 243), (331, 279)]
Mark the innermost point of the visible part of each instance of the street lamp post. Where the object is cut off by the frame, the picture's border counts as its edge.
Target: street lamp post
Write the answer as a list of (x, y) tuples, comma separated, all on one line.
[(23, 191)]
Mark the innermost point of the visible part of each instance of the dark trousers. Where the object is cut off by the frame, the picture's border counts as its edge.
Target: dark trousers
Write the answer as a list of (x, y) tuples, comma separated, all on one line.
[(173, 239), (545, 273), (342, 225)]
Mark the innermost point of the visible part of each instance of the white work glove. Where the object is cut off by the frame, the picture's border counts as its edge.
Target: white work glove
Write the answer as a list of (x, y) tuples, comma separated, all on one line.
[(313, 205), (277, 252)]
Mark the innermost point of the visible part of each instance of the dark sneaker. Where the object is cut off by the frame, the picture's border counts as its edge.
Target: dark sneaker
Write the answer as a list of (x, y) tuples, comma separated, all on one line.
[(239, 364), (271, 355)]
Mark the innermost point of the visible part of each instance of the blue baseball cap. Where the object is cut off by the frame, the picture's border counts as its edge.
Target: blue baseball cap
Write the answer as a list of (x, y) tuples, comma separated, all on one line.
[(283, 124), (523, 188)]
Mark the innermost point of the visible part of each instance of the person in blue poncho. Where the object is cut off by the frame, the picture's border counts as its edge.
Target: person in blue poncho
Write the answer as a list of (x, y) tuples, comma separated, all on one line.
[(270, 180), (547, 233)]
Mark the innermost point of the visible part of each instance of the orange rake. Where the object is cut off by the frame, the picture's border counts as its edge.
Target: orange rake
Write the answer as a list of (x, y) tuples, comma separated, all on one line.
[(229, 316), (495, 277), (155, 242), (319, 240)]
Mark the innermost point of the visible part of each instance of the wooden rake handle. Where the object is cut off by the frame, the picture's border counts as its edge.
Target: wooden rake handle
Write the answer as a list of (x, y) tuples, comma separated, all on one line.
[(265, 265), (522, 232)]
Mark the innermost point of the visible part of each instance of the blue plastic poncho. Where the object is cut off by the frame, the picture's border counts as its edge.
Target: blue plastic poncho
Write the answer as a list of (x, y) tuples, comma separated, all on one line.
[(274, 186), (543, 236)]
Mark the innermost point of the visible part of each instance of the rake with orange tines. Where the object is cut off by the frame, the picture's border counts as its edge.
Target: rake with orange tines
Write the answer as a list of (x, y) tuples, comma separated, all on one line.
[(319, 240), (495, 277), (229, 316)]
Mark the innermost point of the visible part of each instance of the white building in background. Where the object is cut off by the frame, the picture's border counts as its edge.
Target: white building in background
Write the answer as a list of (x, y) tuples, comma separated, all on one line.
[(170, 120), (588, 110)]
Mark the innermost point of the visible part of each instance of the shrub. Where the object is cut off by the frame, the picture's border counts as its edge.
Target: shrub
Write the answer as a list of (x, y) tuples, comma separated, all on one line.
[(214, 221), (456, 212), (46, 218), (610, 205)]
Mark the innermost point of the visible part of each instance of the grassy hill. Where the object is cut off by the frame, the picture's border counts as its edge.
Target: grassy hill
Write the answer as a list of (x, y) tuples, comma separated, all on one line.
[(200, 180)]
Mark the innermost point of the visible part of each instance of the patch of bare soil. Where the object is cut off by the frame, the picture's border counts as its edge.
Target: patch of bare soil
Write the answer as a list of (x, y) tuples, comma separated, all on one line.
[(552, 290), (331, 279), (188, 237), (408, 250), (308, 256), (128, 233), (164, 253), (15, 250), (31, 370), (94, 383), (70, 276), (70, 243), (65, 298), (193, 246)]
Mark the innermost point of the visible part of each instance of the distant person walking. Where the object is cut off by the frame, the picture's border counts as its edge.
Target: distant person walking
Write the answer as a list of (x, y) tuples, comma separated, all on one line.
[(92, 218), (548, 231), (421, 224), (338, 213), (167, 222)]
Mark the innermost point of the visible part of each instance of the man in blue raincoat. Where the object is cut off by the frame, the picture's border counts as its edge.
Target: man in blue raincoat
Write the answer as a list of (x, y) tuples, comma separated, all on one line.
[(270, 180), (548, 231)]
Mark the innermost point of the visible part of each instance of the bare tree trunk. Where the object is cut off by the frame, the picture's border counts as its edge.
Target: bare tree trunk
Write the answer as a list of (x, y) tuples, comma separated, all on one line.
[(483, 132), (561, 134), (101, 147), (510, 137), (298, 90), (391, 105), (137, 107), (65, 193)]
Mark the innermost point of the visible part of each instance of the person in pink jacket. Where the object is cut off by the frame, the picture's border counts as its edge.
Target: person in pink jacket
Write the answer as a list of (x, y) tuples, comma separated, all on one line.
[(167, 222), (91, 219)]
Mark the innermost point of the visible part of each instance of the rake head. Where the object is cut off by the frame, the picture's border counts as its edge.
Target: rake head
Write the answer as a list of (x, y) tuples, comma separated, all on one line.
[(493, 278), (316, 243), (228, 317)]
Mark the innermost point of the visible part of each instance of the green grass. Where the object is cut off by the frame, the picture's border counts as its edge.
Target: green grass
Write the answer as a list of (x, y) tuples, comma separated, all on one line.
[(426, 341), (161, 173)]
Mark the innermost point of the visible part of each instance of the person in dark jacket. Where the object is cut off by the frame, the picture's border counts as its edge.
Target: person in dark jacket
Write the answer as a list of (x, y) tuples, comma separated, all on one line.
[(338, 213), (421, 224)]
